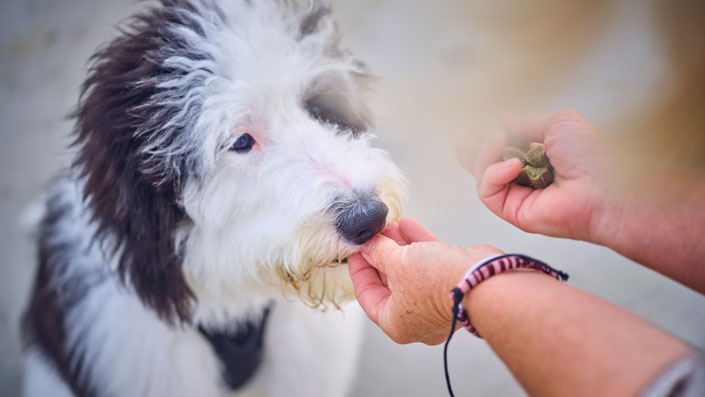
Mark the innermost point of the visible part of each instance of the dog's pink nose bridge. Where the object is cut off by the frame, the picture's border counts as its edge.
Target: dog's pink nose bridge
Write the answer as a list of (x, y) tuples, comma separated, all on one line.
[(329, 171)]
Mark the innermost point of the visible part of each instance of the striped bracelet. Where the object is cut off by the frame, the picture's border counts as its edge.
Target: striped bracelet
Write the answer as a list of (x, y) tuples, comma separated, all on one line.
[(478, 273), (487, 268)]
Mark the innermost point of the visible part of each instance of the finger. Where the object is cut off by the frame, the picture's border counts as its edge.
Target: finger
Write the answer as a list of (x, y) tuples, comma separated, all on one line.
[(466, 148), (383, 278), (533, 127), (494, 186), (382, 253), (370, 291), (529, 127), (497, 176), (392, 231), (516, 204), (414, 231), (490, 153)]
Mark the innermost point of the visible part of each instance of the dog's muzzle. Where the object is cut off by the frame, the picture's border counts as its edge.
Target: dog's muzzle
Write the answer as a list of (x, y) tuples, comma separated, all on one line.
[(360, 217)]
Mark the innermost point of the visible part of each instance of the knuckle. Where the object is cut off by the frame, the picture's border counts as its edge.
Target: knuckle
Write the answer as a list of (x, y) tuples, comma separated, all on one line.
[(485, 248), (383, 255), (398, 335), (568, 115), (402, 340), (566, 120), (392, 333)]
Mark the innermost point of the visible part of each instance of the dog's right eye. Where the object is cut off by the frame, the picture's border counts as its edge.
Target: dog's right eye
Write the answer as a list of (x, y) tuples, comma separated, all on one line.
[(243, 144)]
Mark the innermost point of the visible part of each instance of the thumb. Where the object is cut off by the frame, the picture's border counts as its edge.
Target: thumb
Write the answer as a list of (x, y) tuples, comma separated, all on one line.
[(496, 178), (381, 252), (414, 231)]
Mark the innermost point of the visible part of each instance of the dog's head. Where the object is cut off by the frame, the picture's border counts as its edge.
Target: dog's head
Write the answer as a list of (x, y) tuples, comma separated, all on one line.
[(226, 142)]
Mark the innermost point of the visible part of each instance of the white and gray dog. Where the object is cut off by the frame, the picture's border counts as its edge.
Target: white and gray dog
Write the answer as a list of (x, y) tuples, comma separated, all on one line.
[(224, 170)]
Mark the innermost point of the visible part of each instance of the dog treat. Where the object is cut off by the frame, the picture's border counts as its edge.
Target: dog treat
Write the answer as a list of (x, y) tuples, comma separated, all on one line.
[(514, 153), (536, 170)]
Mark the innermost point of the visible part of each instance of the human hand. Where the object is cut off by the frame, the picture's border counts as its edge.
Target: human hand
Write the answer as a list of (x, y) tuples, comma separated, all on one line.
[(402, 280), (582, 203)]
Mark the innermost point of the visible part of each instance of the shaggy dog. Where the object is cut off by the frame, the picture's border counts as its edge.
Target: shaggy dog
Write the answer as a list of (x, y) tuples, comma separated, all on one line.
[(224, 170)]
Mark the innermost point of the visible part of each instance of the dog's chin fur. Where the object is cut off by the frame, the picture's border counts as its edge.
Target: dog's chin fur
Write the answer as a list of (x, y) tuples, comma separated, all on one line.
[(309, 268), (159, 228)]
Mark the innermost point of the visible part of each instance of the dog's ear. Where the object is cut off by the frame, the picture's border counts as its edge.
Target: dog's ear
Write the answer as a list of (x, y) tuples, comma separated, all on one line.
[(312, 19), (136, 148)]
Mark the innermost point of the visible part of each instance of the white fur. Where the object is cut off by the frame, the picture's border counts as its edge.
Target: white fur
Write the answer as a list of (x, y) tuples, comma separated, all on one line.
[(258, 220), (40, 377)]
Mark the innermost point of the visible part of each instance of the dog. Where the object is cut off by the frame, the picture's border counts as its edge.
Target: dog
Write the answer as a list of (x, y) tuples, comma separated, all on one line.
[(224, 169)]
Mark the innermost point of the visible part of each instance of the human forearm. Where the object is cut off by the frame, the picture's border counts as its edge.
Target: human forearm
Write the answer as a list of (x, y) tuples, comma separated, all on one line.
[(557, 340), (662, 226)]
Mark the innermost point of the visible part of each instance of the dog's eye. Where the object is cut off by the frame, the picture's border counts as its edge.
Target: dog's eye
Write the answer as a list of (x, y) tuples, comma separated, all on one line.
[(243, 144)]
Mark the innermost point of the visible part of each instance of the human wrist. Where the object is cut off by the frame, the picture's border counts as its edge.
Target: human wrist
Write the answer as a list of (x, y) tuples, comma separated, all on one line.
[(488, 269), (606, 224), (444, 306), (628, 210), (609, 189), (488, 276), (454, 271), (631, 192), (498, 284), (494, 296)]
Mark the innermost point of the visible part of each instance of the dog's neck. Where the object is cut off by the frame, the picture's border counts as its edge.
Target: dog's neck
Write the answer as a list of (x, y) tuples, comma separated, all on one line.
[(240, 350), (219, 307)]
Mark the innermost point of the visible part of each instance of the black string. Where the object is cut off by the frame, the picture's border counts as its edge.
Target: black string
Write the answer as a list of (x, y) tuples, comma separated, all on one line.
[(457, 298), (536, 264)]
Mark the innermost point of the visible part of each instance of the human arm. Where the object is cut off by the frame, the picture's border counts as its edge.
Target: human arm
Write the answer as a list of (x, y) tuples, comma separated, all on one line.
[(558, 340), (663, 228), (654, 217), (555, 339)]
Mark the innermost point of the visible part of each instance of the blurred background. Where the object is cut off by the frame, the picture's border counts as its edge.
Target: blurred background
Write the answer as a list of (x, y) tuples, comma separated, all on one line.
[(634, 68)]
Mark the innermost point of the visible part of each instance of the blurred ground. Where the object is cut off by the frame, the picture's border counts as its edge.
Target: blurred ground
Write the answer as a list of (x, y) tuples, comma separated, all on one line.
[(444, 67)]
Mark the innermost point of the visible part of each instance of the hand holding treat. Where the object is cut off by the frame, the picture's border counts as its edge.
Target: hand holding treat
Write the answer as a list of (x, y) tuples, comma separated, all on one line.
[(597, 195), (571, 195)]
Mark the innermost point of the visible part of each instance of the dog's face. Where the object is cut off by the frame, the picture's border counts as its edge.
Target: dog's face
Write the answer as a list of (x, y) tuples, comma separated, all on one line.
[(291, 183), (240, 149)]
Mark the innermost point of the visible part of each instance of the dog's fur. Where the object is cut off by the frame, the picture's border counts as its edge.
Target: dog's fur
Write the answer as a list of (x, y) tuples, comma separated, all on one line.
[(158, 228)]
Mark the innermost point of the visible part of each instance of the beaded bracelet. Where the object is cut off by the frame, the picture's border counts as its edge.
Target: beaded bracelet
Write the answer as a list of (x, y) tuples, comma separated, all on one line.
[(480, 272)]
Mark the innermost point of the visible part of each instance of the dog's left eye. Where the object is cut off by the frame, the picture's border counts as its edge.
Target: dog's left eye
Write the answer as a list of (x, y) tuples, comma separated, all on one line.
[(243, 144)]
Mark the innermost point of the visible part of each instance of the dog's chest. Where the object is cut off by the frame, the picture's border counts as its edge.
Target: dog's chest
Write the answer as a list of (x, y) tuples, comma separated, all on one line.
[(240, 352)]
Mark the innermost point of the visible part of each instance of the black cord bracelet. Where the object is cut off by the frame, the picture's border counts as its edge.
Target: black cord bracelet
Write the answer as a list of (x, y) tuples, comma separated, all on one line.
[(478, 273)]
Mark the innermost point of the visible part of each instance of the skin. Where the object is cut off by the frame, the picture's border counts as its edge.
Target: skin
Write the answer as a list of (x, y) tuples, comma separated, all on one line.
[(406, 292), (653, 216), (555, 339), (560, 341)]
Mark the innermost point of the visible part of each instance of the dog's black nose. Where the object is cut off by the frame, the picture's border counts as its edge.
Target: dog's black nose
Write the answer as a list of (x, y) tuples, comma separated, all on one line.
[(361, 220)]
